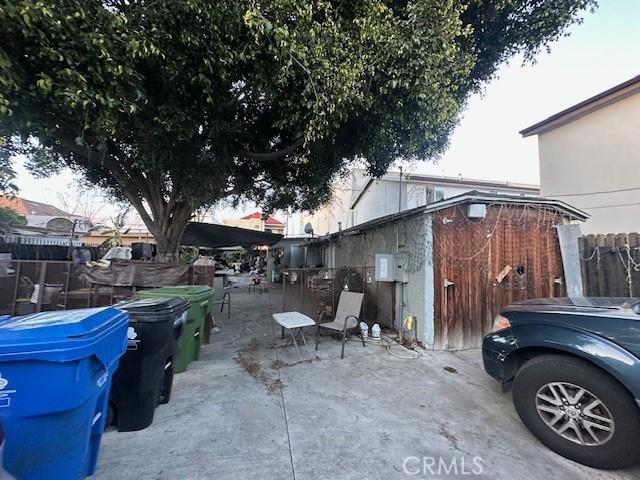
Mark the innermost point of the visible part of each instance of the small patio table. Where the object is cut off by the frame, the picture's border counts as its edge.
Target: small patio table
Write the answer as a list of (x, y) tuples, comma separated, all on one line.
[(295, 323)]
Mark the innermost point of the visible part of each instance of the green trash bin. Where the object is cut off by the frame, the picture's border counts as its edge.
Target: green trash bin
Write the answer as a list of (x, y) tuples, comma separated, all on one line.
[(201, 298)]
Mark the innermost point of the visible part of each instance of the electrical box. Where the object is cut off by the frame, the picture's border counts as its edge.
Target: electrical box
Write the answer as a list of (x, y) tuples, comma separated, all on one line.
[(391, 268), (385, 267), (400, 264), (477, 210)]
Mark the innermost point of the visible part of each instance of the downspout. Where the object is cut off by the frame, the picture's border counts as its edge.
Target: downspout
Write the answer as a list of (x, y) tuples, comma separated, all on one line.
[(398, 251)]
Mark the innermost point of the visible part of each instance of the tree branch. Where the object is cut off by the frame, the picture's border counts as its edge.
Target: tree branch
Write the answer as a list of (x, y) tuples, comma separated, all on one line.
[(122, 156), (267, 157), (129, 188)]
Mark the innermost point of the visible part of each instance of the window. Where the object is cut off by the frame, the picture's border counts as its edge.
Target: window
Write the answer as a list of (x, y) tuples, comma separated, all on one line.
[(439, 194)]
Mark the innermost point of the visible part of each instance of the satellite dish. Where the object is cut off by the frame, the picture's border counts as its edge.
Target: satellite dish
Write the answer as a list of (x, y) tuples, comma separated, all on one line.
[(308, 229)]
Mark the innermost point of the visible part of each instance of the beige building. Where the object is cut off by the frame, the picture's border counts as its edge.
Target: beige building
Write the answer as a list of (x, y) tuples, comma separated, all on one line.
[(96, 238), (590, 158)]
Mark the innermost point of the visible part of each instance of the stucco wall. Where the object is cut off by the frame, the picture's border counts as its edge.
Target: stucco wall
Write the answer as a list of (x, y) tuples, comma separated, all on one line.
[(408, 236), (336, 214), (597, 152), (380, 199)]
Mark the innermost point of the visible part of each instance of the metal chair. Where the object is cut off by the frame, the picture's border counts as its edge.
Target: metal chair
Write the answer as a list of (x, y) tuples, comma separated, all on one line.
[(347, 318), (221, 295)]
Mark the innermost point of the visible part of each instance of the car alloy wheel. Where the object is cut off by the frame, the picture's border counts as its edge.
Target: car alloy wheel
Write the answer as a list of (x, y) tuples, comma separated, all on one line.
[(575, 413), (578, 411)]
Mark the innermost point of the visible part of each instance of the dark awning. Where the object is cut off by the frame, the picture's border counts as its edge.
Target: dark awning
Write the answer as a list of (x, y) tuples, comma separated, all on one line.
[(208, 235)]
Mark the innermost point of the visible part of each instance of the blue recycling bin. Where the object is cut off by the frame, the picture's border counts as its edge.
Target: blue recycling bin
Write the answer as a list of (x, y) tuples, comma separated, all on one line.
[(55, 376)]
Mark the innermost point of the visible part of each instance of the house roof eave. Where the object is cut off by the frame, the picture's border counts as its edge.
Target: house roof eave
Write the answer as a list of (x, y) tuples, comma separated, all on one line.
[(585, 107)]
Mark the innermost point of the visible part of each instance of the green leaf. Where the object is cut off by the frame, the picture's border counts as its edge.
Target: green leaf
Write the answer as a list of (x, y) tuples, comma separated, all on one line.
[(185, 103)]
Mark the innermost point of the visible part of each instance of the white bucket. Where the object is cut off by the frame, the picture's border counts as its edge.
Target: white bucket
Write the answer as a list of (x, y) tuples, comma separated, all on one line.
[(51, 290), (375, 331), (364, 328)]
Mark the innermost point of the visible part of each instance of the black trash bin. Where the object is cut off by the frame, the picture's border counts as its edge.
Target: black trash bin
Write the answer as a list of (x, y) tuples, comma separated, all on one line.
[(145, 375)]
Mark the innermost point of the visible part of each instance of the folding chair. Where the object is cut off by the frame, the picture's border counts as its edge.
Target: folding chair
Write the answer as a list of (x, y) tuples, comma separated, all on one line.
[(221, 295), (347, 318)]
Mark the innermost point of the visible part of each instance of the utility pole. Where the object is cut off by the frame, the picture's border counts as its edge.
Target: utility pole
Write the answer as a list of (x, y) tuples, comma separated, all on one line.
[(400, 192)]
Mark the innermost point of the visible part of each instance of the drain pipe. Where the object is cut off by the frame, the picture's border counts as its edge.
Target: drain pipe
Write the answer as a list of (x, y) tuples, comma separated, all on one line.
[(401, 312)]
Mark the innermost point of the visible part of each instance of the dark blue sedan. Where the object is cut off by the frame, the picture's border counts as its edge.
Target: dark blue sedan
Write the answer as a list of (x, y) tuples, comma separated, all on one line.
[(574, 365)]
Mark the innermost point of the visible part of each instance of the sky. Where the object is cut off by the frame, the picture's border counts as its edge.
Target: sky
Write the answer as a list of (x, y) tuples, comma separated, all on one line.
[(601, 52)]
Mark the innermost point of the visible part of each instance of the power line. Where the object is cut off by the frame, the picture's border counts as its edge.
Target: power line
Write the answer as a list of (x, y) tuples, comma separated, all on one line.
[(611, 206), (591, 193)]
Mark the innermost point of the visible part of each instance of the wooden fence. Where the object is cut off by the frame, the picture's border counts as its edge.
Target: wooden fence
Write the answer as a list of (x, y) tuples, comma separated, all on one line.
[(63, 288), (611, 265)]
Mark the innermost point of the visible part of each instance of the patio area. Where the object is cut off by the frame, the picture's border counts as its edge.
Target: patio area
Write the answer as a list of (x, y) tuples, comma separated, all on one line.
[(249, 410)]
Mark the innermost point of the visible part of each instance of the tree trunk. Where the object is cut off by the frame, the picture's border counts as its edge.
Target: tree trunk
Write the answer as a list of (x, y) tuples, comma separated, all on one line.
[(167, 248), (167, 229), (165, 219)]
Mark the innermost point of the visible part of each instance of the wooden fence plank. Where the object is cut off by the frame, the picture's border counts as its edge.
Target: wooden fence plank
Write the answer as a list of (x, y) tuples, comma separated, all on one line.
[(611, 264), (634, 247)]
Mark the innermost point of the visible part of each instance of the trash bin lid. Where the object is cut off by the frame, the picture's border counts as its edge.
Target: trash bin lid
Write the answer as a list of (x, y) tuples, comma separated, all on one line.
[(155, 309), (58, 335), (193, 293)]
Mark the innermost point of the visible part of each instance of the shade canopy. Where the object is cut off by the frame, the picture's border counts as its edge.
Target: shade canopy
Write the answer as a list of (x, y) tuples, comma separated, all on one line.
[(208, 235)]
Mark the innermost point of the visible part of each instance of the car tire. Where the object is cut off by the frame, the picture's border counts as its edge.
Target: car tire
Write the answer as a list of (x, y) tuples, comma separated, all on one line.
[(539, 388)]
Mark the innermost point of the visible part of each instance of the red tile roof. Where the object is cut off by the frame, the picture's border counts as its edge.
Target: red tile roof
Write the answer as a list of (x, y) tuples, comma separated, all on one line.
[(268, 221), (29, 207)]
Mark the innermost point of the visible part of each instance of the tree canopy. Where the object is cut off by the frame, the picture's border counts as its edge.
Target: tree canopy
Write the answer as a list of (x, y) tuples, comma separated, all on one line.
[(176, 104)]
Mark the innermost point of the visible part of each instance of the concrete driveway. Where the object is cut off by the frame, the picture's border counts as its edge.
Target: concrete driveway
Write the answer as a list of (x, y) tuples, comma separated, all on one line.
[(249, 410)]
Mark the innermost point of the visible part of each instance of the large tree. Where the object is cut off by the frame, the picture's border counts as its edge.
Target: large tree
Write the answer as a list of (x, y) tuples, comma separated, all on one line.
[(176, 104)]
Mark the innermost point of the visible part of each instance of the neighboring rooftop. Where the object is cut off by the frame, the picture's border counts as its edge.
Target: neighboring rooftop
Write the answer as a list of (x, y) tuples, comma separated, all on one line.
[(29, 207), (473, 196), (585, 107), (267, 221), (442, 180)]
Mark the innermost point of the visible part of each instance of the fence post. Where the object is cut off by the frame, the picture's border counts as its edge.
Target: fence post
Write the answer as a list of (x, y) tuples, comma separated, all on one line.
[(602, 280), (41, 283), (302, 288), (333, 292), (634, 242), (285, 277), (15, 289), (66, 285), (364, 292), (588, 252)]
